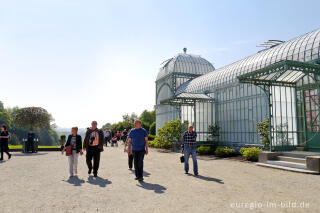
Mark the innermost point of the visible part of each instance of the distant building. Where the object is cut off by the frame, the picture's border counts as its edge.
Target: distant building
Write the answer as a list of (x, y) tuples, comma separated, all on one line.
[(281, 82)]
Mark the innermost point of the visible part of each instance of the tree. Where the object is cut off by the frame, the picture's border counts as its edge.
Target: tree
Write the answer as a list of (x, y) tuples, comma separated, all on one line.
[(1, 106), (5, 118), (107, 126), (152, 128), (35, 117), (264, 132), (147, 118), (130, 118), (213, 132), (120, 126), (168, 134)]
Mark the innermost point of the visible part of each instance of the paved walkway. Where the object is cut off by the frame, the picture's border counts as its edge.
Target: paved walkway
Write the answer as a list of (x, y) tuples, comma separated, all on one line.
[(223, 186)]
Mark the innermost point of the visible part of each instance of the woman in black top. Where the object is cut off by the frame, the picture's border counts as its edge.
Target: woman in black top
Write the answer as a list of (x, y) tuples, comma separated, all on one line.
[(4, 138), (75, 141)]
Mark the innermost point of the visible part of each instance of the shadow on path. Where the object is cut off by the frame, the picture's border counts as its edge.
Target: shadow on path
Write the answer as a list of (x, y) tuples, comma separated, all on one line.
[(98, 181), (29, 154), (209, 179), (155, 187), (145, 174), (75, 181)]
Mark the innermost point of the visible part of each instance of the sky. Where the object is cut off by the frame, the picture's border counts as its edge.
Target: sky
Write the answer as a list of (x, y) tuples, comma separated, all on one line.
[(98, 59)]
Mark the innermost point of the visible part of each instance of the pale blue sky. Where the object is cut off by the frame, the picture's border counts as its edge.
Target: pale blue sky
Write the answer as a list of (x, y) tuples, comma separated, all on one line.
[(97, 60)]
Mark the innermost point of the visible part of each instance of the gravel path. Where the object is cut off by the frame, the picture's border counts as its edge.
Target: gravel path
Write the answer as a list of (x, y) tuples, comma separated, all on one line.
[(39, 183)]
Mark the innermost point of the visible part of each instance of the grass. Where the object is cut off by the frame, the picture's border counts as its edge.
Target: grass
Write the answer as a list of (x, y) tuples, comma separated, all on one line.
[(20, 146)]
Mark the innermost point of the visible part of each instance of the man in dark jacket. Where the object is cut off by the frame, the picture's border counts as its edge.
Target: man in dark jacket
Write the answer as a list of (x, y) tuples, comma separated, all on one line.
[(93, 144), (30, 141)]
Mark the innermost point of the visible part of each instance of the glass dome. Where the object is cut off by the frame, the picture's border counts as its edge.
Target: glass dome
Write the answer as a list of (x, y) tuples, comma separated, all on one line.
[(185, 64)]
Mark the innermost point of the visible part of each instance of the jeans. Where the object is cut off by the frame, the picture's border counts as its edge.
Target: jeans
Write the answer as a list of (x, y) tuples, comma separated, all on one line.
[(93, 152), (138, 157), (73, 163), (190, 150), (130, 161)]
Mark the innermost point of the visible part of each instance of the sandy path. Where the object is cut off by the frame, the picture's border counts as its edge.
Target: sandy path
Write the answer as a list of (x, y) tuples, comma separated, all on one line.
[(39, 183)]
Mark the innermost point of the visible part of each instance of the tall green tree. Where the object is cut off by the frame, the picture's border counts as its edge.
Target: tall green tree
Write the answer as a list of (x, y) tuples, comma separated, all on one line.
[(35, 117), (147, 118), (106, 126), (130, 118), (5, 118)]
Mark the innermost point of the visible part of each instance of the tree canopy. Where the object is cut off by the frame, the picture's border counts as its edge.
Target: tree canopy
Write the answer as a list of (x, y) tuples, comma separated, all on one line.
[(35, 117), (19, 129)]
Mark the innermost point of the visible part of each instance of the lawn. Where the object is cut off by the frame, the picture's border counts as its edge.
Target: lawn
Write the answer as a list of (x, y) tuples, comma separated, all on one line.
[(20, 146)]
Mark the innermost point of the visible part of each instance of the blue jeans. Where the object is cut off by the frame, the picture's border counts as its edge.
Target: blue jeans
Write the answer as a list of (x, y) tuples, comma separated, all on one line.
[(190, 150)]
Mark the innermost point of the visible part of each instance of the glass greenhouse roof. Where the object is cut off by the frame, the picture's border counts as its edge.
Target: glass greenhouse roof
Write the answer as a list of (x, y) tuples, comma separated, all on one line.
[(285, 73), (303, 48), (185, 64)]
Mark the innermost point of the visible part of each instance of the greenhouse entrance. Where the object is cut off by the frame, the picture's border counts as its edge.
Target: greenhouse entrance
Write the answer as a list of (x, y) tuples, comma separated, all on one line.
[(293, 91), (196, 109)]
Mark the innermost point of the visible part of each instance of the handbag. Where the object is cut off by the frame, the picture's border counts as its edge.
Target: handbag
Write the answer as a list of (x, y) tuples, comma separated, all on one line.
[(68, 150), (182, 159)]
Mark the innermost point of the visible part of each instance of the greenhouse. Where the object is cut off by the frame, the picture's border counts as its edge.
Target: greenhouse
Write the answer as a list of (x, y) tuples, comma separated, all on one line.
[(280, 83)]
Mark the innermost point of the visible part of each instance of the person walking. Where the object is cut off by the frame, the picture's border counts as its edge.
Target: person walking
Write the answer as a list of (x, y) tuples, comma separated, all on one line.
[(107, 136), (4, 138), (138, 145), (75, 141), (118, 136), (30, 141), (130, 156), (93, 144), (189, 148), (124, 135)]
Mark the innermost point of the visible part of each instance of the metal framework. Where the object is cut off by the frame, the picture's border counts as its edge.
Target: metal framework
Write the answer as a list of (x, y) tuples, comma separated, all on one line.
[(187, 99), (280, 82)]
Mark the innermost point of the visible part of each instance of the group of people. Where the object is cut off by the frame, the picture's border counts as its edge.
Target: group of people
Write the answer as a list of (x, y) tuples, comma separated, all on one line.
[(136, 142), (113, 137), (136, 146)]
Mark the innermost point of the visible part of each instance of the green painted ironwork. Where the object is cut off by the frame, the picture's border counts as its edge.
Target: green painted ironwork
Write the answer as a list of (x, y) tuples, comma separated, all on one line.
[(300, 76)]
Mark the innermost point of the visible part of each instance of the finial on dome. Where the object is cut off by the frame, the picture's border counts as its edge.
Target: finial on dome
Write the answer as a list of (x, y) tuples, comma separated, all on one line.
[(185, 50)]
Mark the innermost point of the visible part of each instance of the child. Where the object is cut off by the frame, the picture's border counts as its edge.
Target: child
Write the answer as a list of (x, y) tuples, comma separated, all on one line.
[(114, 141)]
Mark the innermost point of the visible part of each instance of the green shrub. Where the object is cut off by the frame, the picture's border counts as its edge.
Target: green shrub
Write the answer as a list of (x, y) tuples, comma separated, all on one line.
[(152, 128), (204, 150), (264, 132), (162, 143), (224, 152), (251, 153), (151, 137), (151, 144), (242, 150)]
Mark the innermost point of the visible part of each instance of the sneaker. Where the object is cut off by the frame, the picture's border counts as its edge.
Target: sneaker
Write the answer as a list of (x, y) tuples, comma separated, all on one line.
[(140, 179), (186, 173), (136, 178), (196, 174), (95, 175), (89, 171)]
